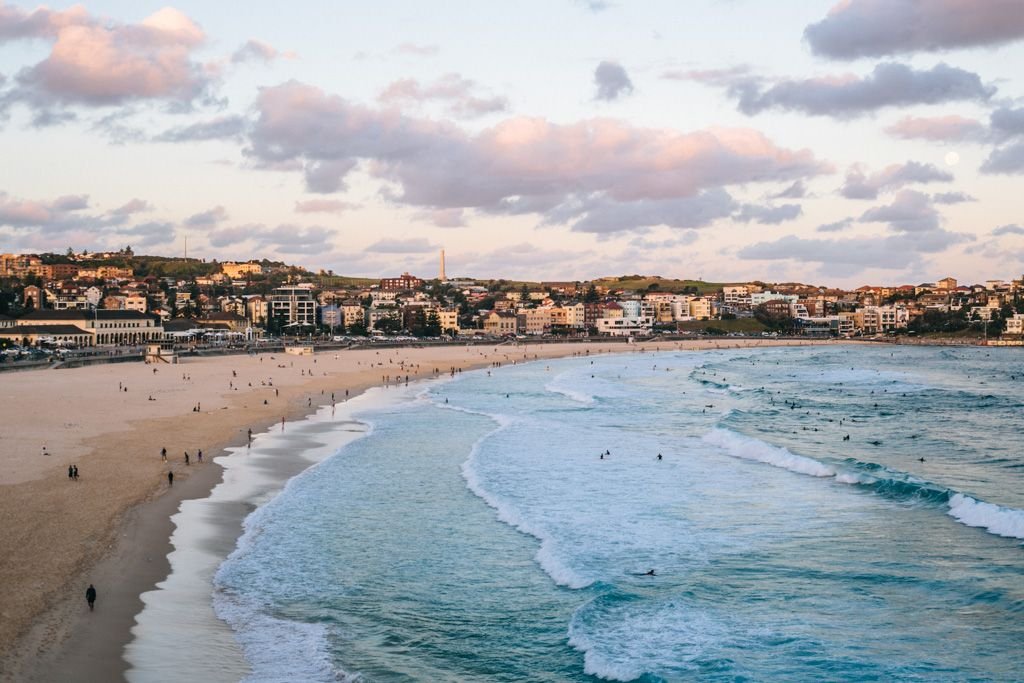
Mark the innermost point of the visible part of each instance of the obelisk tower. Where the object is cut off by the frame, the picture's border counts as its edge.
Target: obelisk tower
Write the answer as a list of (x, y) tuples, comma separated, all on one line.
[(441, 276)]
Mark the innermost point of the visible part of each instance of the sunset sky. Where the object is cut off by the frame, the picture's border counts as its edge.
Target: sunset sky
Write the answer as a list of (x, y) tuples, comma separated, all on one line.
[(864, 141)]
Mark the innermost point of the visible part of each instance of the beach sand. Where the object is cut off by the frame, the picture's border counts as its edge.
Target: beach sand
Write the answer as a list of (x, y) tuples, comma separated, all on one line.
[(111, 527)]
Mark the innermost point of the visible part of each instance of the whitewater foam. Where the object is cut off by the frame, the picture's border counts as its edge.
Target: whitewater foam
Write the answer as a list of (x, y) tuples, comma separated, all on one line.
[(996, 519), (546, 555), (740, 446)]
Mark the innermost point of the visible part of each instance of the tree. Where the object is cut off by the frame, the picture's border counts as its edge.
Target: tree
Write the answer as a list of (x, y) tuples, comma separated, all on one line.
[(419, 323), (773, 321), (388, 325), (432, 327), (524, 294), (358, 329), (590, 296)]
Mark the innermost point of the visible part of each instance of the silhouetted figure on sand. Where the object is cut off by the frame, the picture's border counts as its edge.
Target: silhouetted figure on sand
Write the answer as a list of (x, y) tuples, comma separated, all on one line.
[(90, 596)]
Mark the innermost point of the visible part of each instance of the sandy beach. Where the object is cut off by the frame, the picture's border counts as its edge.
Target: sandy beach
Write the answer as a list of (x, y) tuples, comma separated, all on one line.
[(111, 526)]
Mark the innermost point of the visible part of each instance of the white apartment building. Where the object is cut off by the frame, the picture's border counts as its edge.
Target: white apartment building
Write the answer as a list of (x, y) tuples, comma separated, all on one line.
[(758, 298), (293, 304), (624, 326), (1015, 324), (737, 296)]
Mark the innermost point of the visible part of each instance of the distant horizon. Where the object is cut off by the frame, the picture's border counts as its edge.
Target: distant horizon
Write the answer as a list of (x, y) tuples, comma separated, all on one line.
[(573, 136)]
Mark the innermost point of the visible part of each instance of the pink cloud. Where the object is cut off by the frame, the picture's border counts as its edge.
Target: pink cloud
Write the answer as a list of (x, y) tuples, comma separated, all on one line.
[(456, 92), (256, 50), (950, 128), (521, 165), (98, 62)]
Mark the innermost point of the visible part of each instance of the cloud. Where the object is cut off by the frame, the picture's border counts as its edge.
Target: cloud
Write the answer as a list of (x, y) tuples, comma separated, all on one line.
[(417, 245), (326, 176), (21, 213), (724, 77), (221, 127), (768, 215), (794, 191), (895, 252), (1008, 160), (285, 238), (149, 234), (323, 206), (950, 128), (604, 216), (861, 186), (888, 85), (952, 198), (132, 207), (98, 62), (443, 218), (210, 217), (838, 226), (1011, 229), (456, 92), (611, 81), (64, 214), (910, 211), (520, 165), (685, 239), (876, 28), (258, 51), (1007, 123)]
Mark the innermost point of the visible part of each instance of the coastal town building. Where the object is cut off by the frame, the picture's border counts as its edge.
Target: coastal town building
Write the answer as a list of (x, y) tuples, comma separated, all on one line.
[(105, 327), (238, 271), (37, 335), (401, 283), (293, 305), (500, 323), (375, 315)]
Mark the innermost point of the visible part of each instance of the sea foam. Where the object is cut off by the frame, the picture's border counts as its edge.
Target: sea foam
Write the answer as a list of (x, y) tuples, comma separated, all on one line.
[(996, 519), (546, 555), (740, 446)]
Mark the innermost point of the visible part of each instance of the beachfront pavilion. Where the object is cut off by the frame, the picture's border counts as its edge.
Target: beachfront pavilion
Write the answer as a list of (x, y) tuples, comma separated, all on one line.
[(105, 327), (32, 335)]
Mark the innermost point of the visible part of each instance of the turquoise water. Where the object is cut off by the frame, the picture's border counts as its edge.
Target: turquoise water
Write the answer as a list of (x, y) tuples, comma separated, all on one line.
[(476, 535)]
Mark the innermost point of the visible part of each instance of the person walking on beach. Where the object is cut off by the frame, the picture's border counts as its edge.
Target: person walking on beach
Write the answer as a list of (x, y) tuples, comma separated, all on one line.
[(199, 455), (90, 596), (163, 454), (71, 472), (170, 478), (74, 470), (186, 457)]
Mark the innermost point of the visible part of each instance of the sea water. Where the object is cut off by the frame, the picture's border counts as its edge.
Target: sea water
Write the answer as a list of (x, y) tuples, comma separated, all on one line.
[(838, 512)]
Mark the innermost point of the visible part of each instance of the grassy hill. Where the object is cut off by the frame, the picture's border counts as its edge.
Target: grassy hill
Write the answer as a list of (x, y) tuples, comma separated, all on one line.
[(657, 283)]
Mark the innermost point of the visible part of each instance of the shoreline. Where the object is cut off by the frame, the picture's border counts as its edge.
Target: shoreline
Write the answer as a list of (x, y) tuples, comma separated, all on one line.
[(135, 543)]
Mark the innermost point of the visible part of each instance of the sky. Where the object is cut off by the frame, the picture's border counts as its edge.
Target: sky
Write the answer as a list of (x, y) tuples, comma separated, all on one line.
[(835, 143)]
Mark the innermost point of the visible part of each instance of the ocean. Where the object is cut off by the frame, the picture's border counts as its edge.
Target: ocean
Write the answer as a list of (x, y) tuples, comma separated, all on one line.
[(835, 512)]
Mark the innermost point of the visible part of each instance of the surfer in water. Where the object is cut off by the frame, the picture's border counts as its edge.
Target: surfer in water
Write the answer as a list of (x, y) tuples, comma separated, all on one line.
[(650, 572)]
